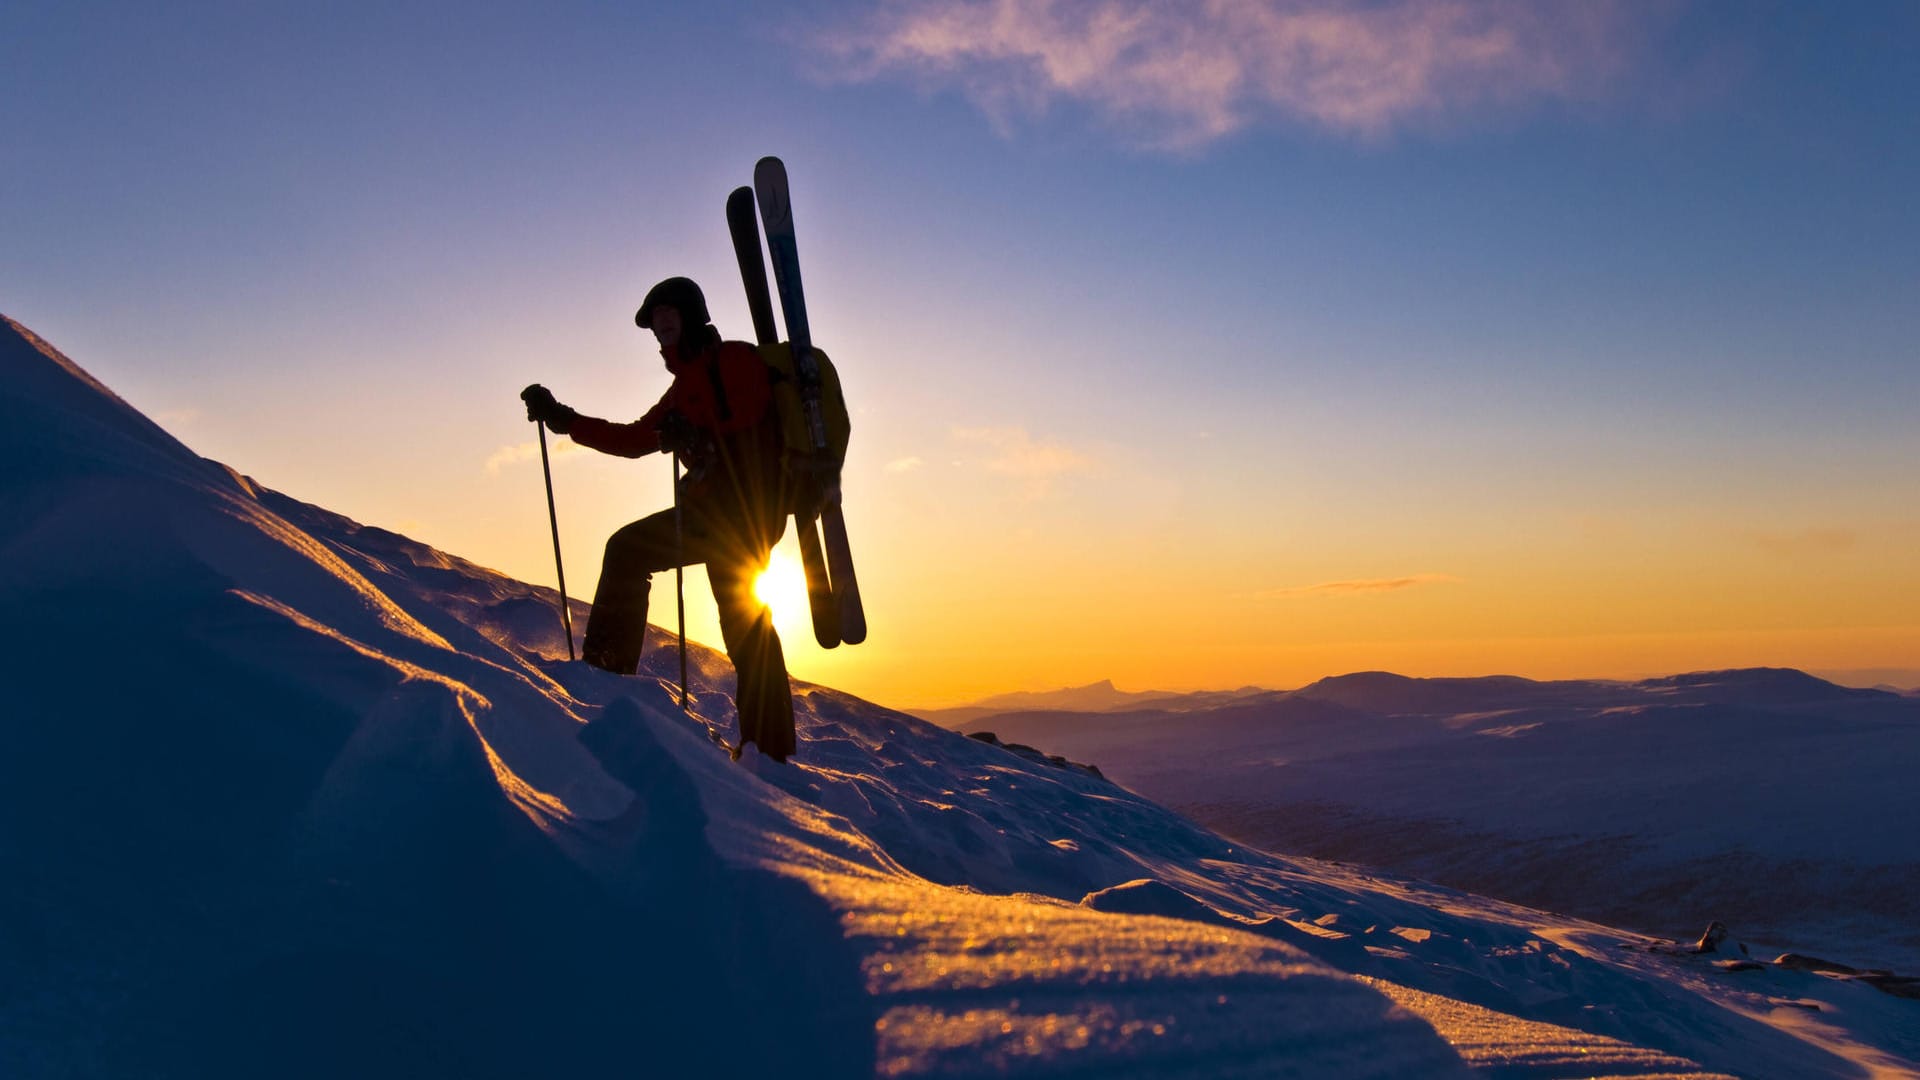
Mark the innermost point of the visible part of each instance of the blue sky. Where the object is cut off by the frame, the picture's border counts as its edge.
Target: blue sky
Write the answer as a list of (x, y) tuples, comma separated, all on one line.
[(1302, 293)]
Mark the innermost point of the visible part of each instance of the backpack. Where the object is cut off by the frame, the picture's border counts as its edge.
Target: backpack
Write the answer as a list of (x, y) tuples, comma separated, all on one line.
[(804, 466)]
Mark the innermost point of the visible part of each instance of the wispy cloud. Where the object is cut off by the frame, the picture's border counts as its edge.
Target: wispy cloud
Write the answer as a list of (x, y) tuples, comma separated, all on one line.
[(1356, 586), (1014, 452), (1806, 541), (903, 465), (1180, 75), (529, 451)]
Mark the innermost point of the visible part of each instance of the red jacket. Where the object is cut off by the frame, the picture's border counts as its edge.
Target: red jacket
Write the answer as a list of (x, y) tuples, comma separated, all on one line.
[(726, 394)]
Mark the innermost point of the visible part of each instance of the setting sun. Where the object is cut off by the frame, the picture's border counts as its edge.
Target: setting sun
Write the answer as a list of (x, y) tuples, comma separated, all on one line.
[(782, 586)]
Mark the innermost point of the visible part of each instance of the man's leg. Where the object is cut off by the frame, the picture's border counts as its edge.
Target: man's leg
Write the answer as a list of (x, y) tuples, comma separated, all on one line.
[(617, 627), (762, 693)]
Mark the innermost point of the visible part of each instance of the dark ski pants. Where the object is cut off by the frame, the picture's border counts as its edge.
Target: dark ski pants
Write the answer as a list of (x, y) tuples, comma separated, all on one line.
[(734, 555)]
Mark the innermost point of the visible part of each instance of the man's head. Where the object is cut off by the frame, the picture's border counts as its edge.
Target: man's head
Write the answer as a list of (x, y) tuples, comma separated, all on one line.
[(672, 308)]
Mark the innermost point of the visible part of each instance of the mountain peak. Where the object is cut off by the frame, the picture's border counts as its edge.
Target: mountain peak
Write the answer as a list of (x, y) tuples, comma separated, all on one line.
[(1094, 695)]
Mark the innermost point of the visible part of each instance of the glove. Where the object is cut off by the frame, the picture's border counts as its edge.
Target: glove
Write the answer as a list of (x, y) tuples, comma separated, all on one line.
[(677, 433), (542, 408)]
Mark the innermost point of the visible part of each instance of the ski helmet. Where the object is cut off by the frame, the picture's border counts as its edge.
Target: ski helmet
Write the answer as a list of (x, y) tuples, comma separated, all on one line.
[(678, 293)]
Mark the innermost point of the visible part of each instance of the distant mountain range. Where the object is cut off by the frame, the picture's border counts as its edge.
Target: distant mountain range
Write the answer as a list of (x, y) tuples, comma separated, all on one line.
[(1761, 795), (1101, 696), (1381, 688)]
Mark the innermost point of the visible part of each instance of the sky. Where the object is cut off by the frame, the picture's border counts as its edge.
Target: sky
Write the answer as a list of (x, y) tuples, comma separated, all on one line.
[(1188, 345)]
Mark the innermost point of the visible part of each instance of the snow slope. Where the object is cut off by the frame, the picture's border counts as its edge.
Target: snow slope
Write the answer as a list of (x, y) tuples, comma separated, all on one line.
[(281, 794)]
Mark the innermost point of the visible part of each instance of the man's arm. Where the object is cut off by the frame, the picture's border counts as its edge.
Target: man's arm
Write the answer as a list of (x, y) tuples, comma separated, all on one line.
[(638, 439)]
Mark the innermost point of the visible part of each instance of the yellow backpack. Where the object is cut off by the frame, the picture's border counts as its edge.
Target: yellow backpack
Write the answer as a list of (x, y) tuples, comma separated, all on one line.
[(797, 449)]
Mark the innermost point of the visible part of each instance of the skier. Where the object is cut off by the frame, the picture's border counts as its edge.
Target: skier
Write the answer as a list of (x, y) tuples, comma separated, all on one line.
[(718, 417)]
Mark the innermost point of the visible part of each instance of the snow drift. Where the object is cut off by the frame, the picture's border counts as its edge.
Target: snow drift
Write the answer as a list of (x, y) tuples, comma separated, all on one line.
[(284, 794)]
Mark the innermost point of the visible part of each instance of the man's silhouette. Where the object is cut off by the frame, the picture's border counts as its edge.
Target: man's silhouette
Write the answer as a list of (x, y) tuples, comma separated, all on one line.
[(718, 416)]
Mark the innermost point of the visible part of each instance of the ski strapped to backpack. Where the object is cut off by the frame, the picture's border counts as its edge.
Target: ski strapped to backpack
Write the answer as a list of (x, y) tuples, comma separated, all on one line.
[(812, 410), (744, 224), (818, 441)]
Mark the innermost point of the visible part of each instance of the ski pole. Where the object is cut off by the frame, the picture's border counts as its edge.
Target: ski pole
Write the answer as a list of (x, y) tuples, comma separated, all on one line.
[(553, 519), (680, 577)]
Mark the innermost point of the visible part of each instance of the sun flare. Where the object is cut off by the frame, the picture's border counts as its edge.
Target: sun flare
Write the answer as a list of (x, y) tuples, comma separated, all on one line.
[(782, 586)]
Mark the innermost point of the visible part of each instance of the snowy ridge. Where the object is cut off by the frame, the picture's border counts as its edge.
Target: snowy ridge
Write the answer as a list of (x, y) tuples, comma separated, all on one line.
[(284, 793)]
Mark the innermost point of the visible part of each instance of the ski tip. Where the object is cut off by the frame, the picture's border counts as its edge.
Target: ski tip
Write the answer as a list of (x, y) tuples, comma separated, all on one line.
[(741, 194), (770, 162), (826, 627)]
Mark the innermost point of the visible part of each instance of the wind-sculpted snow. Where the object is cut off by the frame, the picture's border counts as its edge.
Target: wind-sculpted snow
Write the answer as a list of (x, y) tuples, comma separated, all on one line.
[(281, 794)]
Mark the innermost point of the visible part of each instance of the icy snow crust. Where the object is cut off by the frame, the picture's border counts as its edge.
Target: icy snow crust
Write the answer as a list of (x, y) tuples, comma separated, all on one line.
[(285, 795)]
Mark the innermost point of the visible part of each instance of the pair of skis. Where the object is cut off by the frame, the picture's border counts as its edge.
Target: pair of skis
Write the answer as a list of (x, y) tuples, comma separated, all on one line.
[(833, 592)]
